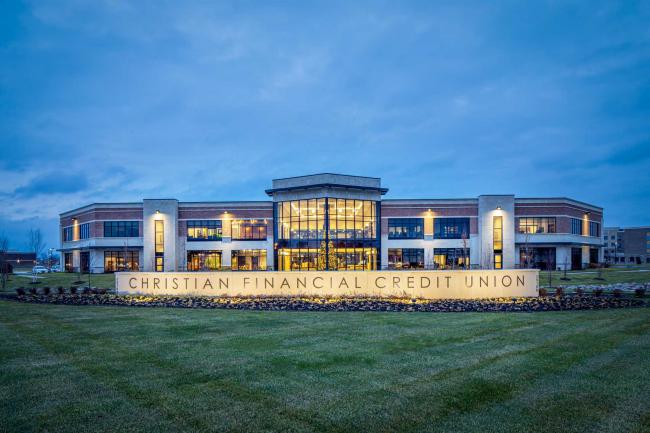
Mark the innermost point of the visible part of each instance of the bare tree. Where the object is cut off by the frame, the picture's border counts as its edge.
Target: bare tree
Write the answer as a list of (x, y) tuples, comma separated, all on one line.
[(35, 242), (463, 236), (4, 264)]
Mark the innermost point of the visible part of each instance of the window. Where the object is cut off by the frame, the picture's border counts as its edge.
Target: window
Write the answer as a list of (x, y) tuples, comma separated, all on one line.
[(594, 229), (536, 225), (406, 228), (84, 231), (121, 229), (451, 258), (576, 226), (497, 241), (68, 234), (204, 260), (121, 261), (159, 245), (406, 258), (204, 230), (451, 228), (248, 230), (248, 260)]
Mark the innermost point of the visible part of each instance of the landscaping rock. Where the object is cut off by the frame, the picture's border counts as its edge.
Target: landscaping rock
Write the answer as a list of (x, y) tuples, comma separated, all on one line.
[(306, 303)]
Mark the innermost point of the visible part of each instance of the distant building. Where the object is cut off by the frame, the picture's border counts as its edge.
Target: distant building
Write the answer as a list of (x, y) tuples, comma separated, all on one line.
[(627, 245), (20, 259), (332, 222)]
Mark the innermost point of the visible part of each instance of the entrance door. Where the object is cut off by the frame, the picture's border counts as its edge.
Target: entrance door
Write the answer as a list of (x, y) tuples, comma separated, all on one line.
[(576, 258)]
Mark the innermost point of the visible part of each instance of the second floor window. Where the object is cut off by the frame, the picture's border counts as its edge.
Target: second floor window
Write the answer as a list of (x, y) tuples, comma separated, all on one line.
[(451, 228), (405, 228), (576, 226), (67, 234), (204, 230), (121, 229), (84, 231), (248, 230), (536, 225), (594, 229)]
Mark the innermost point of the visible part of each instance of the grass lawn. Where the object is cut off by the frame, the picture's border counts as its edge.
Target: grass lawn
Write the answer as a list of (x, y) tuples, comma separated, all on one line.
[(631, 274), (80, 369), (64, 279)]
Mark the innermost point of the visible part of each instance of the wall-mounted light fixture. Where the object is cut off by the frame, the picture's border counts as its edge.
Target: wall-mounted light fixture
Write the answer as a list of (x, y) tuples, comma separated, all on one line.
[(157, 211), (498, 207)]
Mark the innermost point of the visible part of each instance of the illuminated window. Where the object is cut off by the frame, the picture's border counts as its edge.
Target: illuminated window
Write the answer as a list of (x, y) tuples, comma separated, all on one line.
[(247, 230), (536, 225), (204, 230), (204, 260), (406, 258), (451, 228), (497, 241), (248, 260), (121, 229), (121, 261), (159, 247), (451, 258), (405, 228)]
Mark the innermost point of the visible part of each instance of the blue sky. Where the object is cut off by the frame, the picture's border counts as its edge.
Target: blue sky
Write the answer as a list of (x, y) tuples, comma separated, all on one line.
[(116, 101)]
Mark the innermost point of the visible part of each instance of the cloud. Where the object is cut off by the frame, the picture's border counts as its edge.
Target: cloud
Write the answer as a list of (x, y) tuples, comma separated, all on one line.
[(52, 184), (117, 101)]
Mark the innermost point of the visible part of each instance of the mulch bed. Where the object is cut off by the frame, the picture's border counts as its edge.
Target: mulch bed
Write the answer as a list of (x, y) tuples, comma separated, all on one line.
[(547, 303)]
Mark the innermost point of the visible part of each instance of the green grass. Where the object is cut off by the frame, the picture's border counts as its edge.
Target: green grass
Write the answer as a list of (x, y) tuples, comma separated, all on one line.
[(630, 274), (79, 369), (64, 279)]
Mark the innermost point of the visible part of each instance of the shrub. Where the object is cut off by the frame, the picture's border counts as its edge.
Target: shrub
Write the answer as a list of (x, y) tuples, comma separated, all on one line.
[(639, 293), (61, 290), (617, 293), (102, 291), (20, 291), (46, 290), (559, 291), (86, 291), (543, 292), (32, 290), (597, 292), (580, 291), (73, 290)]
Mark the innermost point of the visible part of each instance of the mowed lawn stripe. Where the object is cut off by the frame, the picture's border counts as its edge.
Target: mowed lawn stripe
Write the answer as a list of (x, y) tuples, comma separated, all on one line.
[(200, 370)]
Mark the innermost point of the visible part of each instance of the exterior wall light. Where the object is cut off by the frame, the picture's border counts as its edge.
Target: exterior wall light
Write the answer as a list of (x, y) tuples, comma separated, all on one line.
[(157, 211), (498, 207)]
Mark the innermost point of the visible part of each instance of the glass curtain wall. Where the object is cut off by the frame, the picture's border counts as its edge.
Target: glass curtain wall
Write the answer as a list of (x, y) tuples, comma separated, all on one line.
[(327, 234)]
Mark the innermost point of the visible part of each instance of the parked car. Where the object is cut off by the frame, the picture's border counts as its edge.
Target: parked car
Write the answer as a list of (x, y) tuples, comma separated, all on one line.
[(39, 270), (55, 268)]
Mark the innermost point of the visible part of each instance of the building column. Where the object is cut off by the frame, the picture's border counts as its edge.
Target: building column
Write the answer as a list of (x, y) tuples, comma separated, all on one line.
[(166, 211), (490, 206)]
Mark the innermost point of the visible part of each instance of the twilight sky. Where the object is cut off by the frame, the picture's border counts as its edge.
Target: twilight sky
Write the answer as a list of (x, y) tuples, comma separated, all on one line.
[(118, 101)]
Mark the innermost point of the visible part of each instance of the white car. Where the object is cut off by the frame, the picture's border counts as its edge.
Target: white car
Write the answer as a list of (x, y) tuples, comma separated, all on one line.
[(39, 270), (55, 268)]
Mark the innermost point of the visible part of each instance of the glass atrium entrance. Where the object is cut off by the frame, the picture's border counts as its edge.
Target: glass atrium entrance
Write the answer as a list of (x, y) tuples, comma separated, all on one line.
[(326, 234)]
